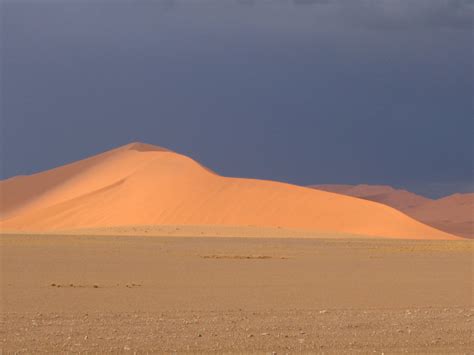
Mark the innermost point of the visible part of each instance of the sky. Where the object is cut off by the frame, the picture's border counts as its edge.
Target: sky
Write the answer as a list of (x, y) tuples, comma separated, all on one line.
[(300, 91)]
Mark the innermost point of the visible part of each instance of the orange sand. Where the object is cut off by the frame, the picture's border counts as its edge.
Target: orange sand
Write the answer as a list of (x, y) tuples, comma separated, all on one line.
[(140, 184)]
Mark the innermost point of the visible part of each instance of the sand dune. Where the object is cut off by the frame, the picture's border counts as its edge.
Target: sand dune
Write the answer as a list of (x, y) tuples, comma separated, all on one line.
[(41, 190), (453, 214), (396, 198), (140, 184)]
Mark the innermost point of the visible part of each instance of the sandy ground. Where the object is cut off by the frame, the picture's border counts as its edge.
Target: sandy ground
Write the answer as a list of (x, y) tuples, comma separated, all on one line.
[(152, 294)]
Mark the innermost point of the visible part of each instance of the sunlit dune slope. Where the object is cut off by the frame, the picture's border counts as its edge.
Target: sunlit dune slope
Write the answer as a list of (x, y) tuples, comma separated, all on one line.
[(45, 189), (145, 185)]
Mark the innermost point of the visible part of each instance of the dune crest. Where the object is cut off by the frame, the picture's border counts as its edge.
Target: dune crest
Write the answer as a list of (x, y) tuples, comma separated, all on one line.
[(139, 184), (47, 188)]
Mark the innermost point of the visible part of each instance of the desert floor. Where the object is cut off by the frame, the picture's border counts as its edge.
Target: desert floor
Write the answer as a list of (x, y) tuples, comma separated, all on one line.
[(156, 294)]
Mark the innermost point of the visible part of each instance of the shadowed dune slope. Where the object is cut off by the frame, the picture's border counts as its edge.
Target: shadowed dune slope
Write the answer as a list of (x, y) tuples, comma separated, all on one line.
[(146, 185), (453, 214), (396, 198)]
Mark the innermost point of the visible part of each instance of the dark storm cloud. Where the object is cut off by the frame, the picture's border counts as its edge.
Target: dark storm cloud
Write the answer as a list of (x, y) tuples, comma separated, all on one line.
[(312, 2), (320, 93), (247, 2), (403, 15)]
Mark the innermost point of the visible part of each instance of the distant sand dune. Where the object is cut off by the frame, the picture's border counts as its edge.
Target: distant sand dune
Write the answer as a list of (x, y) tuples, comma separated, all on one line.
[(139, 184), (453, 214)]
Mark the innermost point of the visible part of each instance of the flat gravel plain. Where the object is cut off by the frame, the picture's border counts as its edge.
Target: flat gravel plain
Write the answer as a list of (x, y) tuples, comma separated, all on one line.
[(235, 295)]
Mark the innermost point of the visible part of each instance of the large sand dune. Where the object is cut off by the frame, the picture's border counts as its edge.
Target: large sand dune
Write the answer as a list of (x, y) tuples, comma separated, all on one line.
[(138, 185), (453, 214)]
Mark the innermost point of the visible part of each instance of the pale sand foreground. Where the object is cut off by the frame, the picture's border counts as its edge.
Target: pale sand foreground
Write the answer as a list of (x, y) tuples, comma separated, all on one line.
[(193, 231), (127, 294)]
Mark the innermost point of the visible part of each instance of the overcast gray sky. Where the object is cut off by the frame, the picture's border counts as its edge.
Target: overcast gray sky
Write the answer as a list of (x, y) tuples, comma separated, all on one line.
[(302, 91)]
